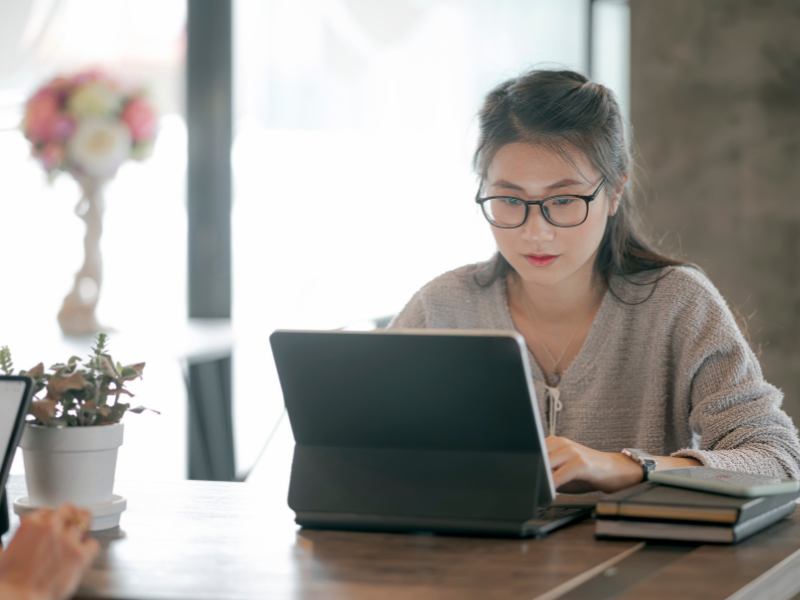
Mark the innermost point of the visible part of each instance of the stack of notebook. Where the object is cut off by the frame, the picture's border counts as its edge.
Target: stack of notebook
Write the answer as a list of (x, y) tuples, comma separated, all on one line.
[(653, 511)]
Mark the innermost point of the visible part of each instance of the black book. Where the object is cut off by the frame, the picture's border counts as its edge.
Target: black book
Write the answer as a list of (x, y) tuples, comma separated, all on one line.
[(691, 531), (651, 501)]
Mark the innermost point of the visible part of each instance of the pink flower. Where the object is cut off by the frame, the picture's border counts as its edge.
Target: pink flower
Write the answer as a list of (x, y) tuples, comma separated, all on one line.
[(140, 118), (41, 110), (51, 156), (60, 128), (86, 77)]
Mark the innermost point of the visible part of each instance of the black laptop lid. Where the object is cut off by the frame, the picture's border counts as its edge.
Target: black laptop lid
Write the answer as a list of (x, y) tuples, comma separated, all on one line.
[(433, 423)]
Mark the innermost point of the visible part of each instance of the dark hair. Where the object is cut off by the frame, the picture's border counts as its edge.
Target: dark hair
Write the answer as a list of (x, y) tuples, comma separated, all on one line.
[(564, 111)]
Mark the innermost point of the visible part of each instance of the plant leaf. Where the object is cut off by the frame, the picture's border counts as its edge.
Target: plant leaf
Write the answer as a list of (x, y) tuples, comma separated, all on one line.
[(111, 414), (43, 410), (37, 371), (74, 359), (5, 361), (131, 372), (107, 367), (88, 413), (141, 409), (59, 385)]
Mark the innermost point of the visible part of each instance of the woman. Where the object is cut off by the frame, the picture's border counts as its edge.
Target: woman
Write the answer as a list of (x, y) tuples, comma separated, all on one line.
[(48, 555), (628, 348)]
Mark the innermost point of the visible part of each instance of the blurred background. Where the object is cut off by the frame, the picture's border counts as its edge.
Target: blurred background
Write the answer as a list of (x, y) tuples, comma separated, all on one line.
[(312, 171)]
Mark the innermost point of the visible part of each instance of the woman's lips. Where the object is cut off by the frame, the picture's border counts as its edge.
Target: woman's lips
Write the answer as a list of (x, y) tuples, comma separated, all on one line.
[(541, 260)]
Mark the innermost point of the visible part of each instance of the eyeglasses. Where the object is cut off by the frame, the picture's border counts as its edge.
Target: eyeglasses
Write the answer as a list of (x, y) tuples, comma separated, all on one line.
[(507, 212)]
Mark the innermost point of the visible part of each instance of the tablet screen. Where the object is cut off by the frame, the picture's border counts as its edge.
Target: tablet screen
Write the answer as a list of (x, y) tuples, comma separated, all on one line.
[(11, 394)]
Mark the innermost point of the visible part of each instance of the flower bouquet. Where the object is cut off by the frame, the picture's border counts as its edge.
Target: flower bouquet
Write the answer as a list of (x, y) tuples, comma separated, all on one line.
[(87, 125)]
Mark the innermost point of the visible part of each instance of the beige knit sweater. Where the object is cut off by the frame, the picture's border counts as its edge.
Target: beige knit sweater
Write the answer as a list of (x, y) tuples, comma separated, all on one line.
[(672, 375)]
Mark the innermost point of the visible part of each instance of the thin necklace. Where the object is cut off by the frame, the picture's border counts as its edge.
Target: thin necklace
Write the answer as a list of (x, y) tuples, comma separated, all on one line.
[(555, 378)]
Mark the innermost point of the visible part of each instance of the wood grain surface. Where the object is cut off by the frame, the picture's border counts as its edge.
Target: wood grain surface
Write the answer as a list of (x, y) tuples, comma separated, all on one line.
[(203, 540), (190, 539)]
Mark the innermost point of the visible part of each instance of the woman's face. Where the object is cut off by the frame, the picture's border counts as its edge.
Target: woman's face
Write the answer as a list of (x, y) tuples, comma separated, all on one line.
[(541, 253)]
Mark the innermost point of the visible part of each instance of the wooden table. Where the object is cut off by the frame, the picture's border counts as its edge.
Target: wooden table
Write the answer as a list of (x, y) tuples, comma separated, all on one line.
[(204, 540)]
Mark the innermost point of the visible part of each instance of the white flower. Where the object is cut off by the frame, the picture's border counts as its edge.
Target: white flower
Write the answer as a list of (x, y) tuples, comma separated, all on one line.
[(93, 99), (99, 147)]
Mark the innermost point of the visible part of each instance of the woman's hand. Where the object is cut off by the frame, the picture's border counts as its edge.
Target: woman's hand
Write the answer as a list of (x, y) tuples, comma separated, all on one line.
[(48, 555), (578, 469)]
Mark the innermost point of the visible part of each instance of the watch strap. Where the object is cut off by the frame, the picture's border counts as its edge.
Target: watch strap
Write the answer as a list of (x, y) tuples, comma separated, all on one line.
[(645, 460)]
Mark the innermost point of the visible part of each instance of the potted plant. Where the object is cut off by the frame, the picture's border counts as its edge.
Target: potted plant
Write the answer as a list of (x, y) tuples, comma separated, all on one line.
[(74, 429)]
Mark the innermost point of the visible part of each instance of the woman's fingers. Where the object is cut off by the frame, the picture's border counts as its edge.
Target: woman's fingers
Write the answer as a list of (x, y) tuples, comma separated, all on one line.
[(555, 442), (560, 457), (90, 549), (568, 464), (49, 553), (68, 522), (567, 473)]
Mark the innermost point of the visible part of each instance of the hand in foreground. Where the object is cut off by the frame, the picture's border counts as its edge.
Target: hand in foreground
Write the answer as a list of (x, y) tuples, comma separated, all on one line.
[(578, 469), (48, 555)]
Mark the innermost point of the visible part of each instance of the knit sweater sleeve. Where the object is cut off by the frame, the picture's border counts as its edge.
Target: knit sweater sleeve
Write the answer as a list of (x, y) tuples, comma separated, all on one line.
[(412, 316), (735, 412)]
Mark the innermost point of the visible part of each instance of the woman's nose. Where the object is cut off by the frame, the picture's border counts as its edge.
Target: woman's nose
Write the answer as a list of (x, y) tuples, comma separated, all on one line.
[(536, 227)]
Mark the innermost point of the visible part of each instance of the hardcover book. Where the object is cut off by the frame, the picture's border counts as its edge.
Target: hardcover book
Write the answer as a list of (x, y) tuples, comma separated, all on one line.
[(653, 501)]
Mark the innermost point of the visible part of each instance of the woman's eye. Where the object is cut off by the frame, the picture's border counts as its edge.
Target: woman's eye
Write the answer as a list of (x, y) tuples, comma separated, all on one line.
[(511, 201), (563, 201)]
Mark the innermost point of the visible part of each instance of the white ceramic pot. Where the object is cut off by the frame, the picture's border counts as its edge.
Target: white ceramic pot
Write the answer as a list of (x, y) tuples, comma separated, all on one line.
[(70, 464)]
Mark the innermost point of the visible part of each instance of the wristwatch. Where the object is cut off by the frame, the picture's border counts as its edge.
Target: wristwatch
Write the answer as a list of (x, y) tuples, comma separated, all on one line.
[(647, 461)]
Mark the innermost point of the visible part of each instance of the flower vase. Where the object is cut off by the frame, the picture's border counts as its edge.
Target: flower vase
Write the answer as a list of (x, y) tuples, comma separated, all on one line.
[(77, 315)]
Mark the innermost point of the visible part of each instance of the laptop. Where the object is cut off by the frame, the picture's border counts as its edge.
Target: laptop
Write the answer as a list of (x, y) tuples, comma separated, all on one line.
[(417, 431), (15, 400)]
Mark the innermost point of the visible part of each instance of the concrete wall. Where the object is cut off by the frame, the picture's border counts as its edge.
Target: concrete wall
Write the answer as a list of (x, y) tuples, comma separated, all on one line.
[(715, 108)]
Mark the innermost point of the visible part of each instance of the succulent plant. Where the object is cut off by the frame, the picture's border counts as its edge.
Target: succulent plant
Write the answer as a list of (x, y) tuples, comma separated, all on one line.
[(78, 391)]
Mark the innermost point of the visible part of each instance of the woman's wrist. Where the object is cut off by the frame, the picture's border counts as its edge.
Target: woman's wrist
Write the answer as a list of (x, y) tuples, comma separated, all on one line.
[(628, 471), (674, 462)]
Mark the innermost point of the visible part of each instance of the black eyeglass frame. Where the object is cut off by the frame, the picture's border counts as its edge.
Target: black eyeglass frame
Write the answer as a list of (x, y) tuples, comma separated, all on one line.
[(540, 204)]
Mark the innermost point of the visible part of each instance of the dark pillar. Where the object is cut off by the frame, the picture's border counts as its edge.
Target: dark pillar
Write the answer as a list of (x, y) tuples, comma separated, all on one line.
[(209, 119)]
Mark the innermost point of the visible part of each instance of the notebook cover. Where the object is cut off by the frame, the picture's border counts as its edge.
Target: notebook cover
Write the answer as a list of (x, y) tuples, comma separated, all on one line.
[(653, 501), (691, 532)]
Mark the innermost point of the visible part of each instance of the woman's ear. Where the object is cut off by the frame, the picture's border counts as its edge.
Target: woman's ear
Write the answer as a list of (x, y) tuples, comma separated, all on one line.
[(615, 197)]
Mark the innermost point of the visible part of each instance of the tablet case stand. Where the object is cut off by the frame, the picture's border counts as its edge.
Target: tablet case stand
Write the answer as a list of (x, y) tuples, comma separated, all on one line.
[(480, 493)]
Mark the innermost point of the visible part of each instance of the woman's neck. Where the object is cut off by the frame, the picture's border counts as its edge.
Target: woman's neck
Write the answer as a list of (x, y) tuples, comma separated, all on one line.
[(563, 304)]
